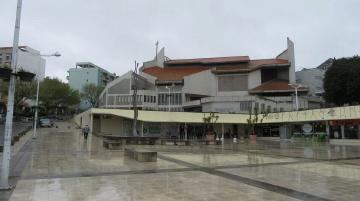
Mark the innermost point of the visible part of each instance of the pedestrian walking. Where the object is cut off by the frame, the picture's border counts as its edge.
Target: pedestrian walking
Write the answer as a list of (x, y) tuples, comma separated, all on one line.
[(86, 131)]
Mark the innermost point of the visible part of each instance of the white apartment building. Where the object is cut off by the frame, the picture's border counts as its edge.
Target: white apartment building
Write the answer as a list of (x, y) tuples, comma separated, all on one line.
[(29, 59)]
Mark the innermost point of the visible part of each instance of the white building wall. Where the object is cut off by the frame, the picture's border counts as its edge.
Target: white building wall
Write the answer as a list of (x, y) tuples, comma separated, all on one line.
[(32, 61), (289, 54), (254, 79)]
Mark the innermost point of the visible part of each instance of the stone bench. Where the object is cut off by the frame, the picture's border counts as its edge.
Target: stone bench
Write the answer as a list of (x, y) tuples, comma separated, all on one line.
[(176, 142), (132, 140), (110, 144), (141, 155)]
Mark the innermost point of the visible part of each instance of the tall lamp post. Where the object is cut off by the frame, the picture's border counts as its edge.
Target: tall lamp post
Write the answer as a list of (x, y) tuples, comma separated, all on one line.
[(5, 167), (296, 86), (169, 88), (56, 54)]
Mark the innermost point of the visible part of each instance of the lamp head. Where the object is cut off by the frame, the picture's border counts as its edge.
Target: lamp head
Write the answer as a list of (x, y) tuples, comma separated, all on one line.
[(56, 54)]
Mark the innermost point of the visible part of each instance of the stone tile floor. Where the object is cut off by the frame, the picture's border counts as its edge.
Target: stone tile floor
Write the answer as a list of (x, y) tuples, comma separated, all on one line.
[(60, 165)]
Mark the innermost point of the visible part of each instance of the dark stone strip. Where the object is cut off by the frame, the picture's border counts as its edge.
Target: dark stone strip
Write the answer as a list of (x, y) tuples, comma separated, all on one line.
[(99, 174), (259, 184), (262, 164)]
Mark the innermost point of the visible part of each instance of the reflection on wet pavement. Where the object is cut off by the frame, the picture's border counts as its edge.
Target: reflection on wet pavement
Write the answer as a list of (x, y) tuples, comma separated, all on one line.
[(62, 166)]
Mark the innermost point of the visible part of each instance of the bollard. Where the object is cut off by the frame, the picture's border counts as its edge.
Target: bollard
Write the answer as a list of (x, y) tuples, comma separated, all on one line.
[(234, 139)]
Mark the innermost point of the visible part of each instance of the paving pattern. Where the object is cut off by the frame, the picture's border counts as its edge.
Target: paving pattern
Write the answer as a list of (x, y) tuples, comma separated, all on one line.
[(61, 165)]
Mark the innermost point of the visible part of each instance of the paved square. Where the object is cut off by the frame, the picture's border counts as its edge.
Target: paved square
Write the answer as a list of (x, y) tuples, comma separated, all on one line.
[(60, 165)]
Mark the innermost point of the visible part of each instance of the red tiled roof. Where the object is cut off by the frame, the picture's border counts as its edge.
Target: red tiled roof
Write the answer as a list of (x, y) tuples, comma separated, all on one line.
[(251, 65), (235, 59), (173, 73), (276, 85)]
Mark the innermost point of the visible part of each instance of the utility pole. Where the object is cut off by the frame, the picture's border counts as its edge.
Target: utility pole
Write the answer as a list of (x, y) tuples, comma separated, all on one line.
[(156, 50), (135, 77), (4, 180)]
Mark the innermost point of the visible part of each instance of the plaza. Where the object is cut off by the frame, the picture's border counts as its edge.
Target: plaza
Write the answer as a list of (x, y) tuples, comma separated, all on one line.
[(61, 165)]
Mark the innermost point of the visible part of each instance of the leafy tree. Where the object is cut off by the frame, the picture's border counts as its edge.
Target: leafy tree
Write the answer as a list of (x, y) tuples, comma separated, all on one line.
[(55, 93), (23, 91), (342, 81), (91, 93)]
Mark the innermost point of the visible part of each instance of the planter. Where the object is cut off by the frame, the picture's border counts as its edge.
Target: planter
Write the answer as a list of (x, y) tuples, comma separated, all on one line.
[(26, 76), (5, 73), (210, 137), (252, 137)]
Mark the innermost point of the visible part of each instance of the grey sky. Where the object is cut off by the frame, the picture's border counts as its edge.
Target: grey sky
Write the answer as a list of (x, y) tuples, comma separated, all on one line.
[(114, 33)]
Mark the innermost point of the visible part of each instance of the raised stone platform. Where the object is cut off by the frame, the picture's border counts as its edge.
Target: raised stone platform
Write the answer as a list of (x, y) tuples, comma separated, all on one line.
[(132, 140), (141, 155)]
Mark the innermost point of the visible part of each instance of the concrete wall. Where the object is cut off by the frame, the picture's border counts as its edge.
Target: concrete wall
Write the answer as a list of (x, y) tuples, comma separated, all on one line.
[(289, 54), (312, 78), (205, 82), (83, 119), (254, 79), (111, 125), (122, 87)]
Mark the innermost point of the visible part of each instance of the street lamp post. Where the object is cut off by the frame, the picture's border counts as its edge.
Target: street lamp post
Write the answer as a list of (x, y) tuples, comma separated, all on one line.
[(296, 86), (169, 88), (5, 167), (56, 54)]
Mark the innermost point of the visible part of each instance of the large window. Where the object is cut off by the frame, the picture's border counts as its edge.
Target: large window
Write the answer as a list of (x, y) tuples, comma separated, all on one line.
[(175, 99), (245, 105), (233, 82)]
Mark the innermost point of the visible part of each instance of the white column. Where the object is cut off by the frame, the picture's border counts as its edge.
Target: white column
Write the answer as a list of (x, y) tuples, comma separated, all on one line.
[(342, 132), (327, 129), (5, 167), (91, 122), (222, 132), (37, 106)]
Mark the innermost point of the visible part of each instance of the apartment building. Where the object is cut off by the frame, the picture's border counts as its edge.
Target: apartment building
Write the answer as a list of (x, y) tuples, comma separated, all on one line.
[(88, 73), (29, 59)]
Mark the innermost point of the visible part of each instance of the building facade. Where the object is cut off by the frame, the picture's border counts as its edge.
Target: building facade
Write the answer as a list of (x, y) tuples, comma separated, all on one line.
[(222, 84), (29, 59), (88, 73), (313, 78)]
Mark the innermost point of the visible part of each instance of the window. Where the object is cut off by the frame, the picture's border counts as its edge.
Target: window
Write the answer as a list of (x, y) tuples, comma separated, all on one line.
[(256, 106), (8, 56), (245, 105), (262, 107), (281, 109), (275, 109), (319, 77), (268, 109)]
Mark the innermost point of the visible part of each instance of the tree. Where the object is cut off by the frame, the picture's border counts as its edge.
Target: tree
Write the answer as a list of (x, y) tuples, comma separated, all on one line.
[(55, 93), (91, 94), (23, 91), (255, 117), (342, 81), (209, 123)]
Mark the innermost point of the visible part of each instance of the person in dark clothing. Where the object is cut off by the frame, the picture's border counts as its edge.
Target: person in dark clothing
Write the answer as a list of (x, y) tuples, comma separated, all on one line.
[(86, 131)]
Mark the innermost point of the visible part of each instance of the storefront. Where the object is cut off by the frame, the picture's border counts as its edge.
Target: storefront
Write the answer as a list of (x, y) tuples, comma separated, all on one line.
[(345, 129)]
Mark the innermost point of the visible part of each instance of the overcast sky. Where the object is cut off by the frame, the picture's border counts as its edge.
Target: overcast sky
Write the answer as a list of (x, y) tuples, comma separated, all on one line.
[(114, 33)]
